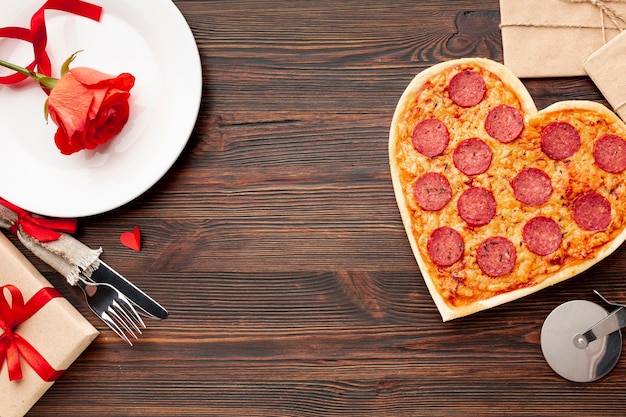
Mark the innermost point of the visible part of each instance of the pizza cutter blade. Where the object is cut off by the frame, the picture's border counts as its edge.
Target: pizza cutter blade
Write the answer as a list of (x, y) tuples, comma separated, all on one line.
[(581, 341)]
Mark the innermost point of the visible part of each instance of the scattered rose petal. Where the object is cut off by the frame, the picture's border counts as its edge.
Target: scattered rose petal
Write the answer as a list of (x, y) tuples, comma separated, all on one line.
[(132, 239)]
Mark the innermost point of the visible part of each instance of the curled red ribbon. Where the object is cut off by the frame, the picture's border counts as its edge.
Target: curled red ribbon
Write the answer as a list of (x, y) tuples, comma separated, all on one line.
[(13, 345), (41, 228), (38, 36)]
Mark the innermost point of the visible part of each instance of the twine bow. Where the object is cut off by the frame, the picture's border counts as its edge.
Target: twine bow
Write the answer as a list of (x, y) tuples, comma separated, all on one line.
[(13, 346), (606, 10)]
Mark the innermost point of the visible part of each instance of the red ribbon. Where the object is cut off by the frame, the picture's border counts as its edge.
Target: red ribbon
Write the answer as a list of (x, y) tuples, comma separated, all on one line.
[(38, 36), (41, 228), (12, 345)]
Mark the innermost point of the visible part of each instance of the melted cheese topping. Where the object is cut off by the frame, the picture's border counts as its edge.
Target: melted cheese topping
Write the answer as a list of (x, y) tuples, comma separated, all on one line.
[(464, 282)]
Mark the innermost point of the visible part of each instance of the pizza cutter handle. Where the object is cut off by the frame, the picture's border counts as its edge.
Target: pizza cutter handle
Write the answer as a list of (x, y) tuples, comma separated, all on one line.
[(607, 301), (611, 323)]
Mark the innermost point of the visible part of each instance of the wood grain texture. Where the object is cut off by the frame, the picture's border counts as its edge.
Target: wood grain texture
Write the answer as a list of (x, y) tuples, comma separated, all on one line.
[(277, 246)]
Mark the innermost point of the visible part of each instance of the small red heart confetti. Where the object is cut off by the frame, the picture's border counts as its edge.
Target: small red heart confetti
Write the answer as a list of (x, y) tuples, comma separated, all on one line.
[(132, 239)]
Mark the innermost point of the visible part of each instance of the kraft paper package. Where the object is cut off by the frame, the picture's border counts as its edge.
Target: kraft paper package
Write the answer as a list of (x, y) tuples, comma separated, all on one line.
[(607, 68), (56, 331)]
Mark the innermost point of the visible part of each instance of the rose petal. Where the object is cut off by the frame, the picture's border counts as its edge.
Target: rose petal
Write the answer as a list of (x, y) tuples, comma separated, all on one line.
[(92, 78)]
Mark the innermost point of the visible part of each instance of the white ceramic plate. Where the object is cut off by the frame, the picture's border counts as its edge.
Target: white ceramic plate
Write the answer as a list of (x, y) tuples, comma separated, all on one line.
[(148, 38)]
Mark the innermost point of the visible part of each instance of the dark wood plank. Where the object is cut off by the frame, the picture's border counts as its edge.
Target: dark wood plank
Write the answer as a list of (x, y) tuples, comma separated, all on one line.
[(276, 243)]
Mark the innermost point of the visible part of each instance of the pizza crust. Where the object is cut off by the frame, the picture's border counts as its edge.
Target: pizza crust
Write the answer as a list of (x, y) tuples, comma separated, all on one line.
[(447, 311)]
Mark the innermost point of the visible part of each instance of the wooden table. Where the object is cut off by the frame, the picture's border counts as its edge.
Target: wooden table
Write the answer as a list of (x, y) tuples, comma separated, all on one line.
[(276, 243)]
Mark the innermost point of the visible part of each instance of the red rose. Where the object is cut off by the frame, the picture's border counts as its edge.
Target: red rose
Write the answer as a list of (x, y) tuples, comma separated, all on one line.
[(89, 108)]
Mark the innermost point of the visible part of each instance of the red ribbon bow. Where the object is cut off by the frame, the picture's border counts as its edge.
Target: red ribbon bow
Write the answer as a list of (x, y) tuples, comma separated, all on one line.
[(41, 228), (38, 36), (12, 345)]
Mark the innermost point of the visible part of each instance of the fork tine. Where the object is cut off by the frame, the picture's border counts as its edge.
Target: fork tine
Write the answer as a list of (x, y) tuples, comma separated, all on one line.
[(105, 317), (132, 315), (113, 312), (123, 316)]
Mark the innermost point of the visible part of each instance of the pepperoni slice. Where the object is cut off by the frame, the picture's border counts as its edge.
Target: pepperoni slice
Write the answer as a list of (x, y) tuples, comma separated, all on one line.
[(467, 88), (532, 187), (496, 256), (432, 191), (504, 123), (591, 211), (609, 153), (445, 246), (560, 140), (430, 137), (472, 156), (542, 235), (476, 206)]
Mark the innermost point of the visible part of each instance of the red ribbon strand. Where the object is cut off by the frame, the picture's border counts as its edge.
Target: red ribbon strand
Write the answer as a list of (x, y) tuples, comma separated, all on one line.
[(12, 345), (41, 228), (38, 36)]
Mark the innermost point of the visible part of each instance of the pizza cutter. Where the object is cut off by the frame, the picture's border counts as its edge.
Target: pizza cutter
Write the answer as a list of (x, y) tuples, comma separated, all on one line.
[(581, 340)]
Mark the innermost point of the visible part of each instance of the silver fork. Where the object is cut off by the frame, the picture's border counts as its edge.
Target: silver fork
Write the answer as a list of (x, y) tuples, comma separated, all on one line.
[(113, 308)]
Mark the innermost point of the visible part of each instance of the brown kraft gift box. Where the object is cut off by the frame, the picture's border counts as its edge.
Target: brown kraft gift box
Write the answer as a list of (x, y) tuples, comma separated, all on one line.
[(607, 68), (57, 331)]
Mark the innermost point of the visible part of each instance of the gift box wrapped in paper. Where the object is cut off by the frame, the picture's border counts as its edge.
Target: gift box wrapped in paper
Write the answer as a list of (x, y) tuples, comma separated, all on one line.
[(552, 38), (606, 67), (41, 333)]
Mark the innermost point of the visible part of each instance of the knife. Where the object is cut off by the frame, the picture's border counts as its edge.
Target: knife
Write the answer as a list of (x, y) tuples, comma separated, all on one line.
[(106, 274)]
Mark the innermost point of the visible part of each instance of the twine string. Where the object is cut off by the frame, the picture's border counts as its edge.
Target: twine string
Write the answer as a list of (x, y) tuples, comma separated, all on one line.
[(618, 21), (605, 10)]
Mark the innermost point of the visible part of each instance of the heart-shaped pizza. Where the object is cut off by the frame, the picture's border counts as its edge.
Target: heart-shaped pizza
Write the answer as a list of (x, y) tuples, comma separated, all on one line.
[(500, 200)]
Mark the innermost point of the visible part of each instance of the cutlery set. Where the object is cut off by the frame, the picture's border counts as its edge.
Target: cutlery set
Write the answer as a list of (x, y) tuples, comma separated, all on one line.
[(113, 308), (118, 302)]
